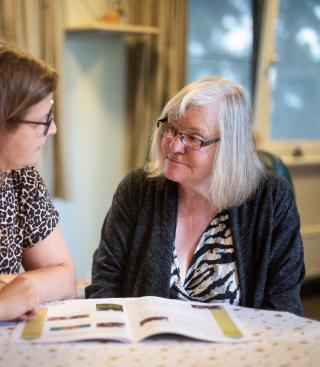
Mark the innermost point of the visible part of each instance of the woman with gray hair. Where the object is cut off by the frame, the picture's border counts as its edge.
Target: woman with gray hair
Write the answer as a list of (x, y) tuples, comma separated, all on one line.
[(202, 220)]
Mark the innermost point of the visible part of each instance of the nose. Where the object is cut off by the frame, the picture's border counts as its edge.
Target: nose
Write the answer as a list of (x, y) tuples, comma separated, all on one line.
[(176, 145), (52, 129)]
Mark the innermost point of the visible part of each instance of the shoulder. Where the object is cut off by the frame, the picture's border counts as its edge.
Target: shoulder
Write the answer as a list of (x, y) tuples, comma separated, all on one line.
[(274, 188), (140, 192), (134, 178), (137, 181), (273, 193), (32, 190), (29, 178), (274, 198), (36, 207)]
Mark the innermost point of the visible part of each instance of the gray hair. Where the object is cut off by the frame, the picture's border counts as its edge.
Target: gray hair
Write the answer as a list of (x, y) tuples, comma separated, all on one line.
[(236, 170)]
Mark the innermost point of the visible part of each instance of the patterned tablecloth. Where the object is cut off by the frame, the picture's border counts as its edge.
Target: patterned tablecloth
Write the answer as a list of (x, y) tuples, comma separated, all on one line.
[(281, 340)]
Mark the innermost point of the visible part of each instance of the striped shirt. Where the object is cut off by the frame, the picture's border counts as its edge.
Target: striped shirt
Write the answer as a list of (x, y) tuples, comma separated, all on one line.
[(212, 275)]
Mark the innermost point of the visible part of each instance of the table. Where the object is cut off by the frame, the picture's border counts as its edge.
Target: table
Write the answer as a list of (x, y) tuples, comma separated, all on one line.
[(281, 340)]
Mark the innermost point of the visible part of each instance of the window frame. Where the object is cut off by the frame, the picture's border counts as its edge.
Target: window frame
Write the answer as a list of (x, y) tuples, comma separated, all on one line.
[(287, 149)]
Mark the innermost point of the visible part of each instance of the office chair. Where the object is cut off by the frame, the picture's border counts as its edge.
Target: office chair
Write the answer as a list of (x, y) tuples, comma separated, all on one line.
[(274, 164)]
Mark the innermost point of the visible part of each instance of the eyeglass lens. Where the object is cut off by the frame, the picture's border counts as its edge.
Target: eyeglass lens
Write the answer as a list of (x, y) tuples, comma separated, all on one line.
[(169, 131)]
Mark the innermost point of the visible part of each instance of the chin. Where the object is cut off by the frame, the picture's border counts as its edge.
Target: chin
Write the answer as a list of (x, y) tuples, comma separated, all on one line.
[(175, 172), (174, 176), (29, 163)]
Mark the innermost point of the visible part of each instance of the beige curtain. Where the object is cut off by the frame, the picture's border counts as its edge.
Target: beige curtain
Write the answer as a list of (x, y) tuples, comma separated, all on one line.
[(156, 68), (36, 26)]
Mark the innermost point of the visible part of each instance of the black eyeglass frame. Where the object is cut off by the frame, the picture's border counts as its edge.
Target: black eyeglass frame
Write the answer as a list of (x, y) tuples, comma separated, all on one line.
[(47, 124), (203, 143)]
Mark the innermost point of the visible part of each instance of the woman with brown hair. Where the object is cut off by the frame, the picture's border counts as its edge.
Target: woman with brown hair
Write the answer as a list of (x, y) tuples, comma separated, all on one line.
[(29, 232)]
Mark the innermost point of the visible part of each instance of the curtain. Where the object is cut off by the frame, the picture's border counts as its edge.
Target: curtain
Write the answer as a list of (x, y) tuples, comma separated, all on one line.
[(257, 7), (36, 26), (156, 68), (266, 56)]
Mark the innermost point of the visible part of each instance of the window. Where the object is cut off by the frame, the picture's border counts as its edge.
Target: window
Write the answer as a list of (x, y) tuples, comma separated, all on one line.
[(288, 94), (220, 40), (287, 86), (295, 78)]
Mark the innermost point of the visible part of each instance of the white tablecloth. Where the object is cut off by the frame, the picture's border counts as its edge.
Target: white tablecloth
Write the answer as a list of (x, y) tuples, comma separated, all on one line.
[(281, 340)]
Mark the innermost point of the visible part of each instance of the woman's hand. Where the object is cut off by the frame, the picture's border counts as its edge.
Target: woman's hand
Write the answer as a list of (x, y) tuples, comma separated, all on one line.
[(18, 299)]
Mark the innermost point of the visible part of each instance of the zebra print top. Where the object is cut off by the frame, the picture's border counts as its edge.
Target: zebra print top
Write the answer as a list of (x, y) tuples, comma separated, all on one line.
[(212, 275)]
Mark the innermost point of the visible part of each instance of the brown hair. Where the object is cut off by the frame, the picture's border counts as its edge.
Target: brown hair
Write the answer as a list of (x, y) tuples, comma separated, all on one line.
[(24, 81)]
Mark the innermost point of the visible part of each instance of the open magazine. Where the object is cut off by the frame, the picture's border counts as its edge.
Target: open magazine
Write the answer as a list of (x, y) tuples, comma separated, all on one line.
[(130, 320)]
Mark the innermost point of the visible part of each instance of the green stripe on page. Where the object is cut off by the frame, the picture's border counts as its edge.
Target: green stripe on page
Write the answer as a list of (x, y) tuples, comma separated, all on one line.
[(33, 327), (226, 324)]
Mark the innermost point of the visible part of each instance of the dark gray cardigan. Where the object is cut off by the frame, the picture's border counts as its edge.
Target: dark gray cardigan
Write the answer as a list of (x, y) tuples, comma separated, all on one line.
[(135, 252)]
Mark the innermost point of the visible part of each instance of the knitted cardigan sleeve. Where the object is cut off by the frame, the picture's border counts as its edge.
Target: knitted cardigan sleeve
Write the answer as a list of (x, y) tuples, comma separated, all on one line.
[(286, 266), (269, 249)]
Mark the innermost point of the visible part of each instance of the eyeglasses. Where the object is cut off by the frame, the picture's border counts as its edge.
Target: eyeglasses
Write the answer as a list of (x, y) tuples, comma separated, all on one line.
[(167, 130), (46, 124)]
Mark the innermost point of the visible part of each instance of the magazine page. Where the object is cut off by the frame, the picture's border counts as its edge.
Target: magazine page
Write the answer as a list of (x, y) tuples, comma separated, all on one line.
[(150, 316), (129, 319), (76, 320)]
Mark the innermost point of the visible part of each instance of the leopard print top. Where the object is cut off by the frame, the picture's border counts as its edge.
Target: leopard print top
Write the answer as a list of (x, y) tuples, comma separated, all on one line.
[(27, 215)]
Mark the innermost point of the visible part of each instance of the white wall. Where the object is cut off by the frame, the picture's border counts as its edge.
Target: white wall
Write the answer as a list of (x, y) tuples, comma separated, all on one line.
[(94, 118), (306, 180)]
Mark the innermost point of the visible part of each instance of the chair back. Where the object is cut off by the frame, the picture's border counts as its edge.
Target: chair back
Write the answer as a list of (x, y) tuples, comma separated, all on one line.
[(274, 164)]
